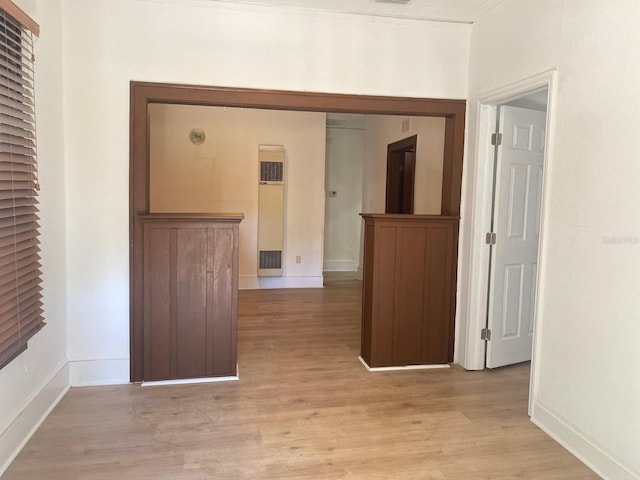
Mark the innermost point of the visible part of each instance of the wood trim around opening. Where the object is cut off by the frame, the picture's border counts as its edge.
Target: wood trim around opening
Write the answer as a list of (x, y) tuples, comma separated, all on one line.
[(142, 94)]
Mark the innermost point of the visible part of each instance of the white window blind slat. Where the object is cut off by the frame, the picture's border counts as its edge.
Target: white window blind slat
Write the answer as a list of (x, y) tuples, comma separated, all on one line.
[(14, 72), (8, 147), (16, 68), (10, 87), (11, 102), (15, 134), (15, 113), (10, 121), (22, 97), (20, 162)]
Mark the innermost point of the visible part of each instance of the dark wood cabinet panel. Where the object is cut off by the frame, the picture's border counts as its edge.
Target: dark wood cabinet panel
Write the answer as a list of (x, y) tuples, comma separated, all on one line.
[(408, 295), (439, 294), (158, 305), (223, 302), (190, 307), (191, 302), (408, 313)]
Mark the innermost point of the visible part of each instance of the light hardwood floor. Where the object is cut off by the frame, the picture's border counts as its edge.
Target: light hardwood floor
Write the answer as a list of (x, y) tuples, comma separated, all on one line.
[(304, 408)]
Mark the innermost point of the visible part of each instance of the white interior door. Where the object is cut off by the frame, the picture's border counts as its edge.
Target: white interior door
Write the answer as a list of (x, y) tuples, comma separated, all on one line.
[(516, 225)]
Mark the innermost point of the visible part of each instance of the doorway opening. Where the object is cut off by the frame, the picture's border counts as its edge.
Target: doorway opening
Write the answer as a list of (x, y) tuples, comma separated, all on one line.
[(346, 138), (515, 223), (145, 94), (356, 164), (525, 192), (401, 173)]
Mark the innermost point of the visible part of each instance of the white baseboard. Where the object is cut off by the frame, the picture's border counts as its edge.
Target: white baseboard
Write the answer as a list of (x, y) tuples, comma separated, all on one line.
[(87, 373), (17, 434), (256, 283), (401, 367), (593, 455), (340, 266), (187, 381)]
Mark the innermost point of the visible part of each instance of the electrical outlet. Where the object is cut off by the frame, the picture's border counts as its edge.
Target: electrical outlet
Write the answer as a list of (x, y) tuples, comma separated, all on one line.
[(298, 259)]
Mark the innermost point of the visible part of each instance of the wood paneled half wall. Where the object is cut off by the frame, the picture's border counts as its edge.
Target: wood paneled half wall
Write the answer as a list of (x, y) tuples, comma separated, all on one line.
[(408, 296)]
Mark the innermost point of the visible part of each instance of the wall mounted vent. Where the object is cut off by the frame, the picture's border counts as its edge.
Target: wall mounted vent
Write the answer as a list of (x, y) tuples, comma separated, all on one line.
[(271, 171), (270, 210), (270, 259)]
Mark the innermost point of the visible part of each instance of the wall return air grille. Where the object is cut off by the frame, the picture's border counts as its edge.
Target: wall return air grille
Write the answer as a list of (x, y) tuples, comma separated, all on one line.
[(270, 259), (271, 210), (271, 171)]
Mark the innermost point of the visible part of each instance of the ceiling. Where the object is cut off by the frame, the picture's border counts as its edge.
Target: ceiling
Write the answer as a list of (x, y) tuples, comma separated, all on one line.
[(460, 11)]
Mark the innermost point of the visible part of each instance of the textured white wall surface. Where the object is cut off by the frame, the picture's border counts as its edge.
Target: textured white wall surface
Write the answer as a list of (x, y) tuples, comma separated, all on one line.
[(588, 378)]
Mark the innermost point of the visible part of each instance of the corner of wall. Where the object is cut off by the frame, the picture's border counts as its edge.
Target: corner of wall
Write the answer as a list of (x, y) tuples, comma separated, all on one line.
[(87, 373), (31, 416)]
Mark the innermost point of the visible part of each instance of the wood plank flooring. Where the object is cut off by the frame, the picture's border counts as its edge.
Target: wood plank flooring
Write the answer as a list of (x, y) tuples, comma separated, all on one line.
[(304, 408)]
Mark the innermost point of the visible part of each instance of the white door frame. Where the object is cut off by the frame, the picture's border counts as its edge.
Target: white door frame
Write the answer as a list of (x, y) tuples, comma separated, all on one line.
[(474, 357)]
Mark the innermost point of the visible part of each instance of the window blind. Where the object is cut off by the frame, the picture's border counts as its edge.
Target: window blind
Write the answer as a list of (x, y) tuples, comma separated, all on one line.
[(21, 313)]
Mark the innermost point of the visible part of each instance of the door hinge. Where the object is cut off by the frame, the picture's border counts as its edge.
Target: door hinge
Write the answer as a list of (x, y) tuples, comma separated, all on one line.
[(496, 139), (485, 334), (490, 238)]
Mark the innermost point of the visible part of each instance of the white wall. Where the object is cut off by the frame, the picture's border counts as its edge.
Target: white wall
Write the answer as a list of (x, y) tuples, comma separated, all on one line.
[(380, 131), (107, 43), (221, 175), (588, 380), (33, 382), (344, 157)]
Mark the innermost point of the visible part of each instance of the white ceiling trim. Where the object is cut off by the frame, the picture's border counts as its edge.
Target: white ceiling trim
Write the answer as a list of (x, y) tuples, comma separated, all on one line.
[(445, 11)]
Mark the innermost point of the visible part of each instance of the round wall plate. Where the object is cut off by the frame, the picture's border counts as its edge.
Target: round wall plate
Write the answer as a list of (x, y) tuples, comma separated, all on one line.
[(197, 136)]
